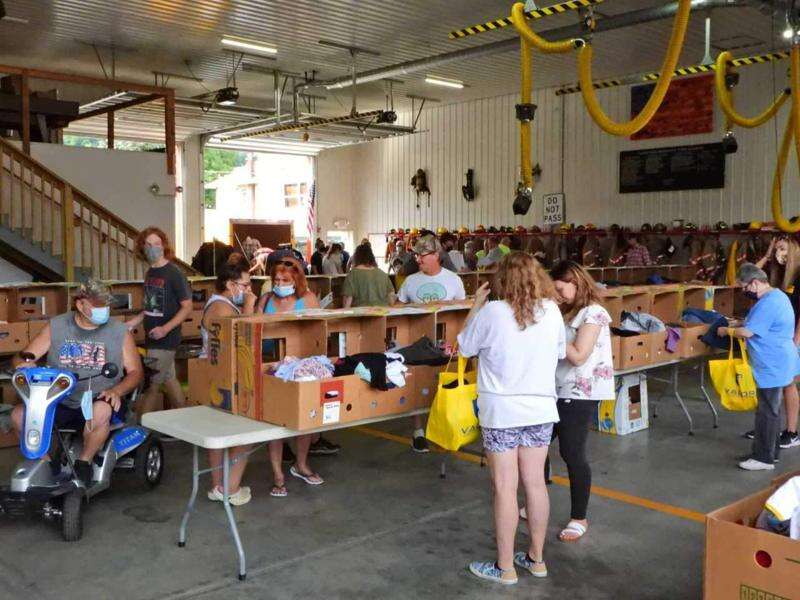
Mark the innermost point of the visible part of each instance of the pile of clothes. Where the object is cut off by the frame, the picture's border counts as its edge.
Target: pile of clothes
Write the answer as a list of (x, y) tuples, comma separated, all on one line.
[(781, 512), (635, 323)]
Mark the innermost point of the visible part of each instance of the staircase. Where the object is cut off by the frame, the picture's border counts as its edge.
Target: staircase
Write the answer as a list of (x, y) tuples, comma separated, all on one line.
[(56, 232)]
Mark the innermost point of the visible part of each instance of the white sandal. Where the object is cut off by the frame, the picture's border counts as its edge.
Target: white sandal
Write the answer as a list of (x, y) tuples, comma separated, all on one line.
[(573, 527)]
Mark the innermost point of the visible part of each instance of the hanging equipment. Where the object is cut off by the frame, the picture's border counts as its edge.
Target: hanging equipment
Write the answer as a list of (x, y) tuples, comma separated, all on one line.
[(724, 85), (792, 131)]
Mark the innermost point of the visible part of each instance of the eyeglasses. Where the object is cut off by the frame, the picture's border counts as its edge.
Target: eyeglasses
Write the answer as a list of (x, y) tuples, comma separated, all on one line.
[(425, 254)]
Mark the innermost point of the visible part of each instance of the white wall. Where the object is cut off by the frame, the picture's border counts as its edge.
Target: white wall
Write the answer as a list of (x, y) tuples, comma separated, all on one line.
[(119, 180), (11, 274), (370, 183)]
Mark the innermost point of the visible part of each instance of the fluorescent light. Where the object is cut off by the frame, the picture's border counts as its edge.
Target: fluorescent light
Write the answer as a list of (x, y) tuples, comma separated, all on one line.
[(788, 33), (240, 44), (451, 83)]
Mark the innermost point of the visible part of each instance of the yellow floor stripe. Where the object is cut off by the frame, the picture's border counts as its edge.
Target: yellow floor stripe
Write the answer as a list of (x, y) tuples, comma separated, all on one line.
[(661, 507)]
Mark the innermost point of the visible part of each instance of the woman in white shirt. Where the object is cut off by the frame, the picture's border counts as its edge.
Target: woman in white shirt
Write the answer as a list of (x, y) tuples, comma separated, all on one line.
[(518, 340), (583, 378)]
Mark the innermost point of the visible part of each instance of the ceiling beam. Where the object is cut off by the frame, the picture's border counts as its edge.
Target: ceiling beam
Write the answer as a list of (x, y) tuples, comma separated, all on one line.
[(111, 84), (115, 107)]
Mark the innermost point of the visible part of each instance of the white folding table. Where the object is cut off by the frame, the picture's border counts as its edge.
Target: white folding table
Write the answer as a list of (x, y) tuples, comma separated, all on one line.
[(212, 429)]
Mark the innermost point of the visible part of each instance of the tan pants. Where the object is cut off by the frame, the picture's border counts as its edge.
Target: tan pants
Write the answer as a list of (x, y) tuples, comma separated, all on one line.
[(165, 378)]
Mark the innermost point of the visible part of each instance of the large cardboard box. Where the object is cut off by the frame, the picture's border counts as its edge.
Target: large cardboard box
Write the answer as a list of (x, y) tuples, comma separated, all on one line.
[(658, 349), (742, 562), (202, 289), (613, 304), (635, 350), (221, 369), (616, 349), (697, 297), (190, 328), (724, 300), (303, 405), (37, 301), (637, 301), (128, 296), (406, 326), (449, 323), (13, 337), (690, 344), (425, 380), (376, 403), (666, 305), (353, 335), (470, 281)]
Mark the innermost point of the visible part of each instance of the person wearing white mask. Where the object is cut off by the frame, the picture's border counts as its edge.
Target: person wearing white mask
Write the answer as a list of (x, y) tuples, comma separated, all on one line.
[(167, 304), (82, 341), (233, 297)]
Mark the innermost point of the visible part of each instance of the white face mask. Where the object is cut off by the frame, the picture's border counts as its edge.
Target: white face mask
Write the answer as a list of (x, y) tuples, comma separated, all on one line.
[(283, 291)]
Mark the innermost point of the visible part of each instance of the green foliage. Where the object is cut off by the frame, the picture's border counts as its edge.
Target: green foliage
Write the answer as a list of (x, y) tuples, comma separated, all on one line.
[(219, 163), (99, 142)]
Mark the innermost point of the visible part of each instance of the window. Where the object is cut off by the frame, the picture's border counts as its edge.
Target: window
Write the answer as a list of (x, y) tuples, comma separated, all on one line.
[(210, 199), (294, 194)]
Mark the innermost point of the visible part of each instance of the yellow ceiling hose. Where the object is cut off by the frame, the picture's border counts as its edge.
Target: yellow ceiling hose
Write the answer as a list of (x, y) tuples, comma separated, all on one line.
[(656, 98), (726, 99), (538, 42), (730, 268), (792, 131), (525, 126)]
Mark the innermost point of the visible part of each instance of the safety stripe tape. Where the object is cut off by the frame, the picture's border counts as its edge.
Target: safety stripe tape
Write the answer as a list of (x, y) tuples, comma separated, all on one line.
[(548, 11), (680, 72)]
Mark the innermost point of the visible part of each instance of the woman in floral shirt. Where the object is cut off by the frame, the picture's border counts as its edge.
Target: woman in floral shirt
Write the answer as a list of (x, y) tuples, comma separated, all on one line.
[(583, 378)]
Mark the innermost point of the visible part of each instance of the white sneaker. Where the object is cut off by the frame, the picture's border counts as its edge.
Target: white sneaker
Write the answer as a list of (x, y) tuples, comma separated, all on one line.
[(243, 496), (751, 464)]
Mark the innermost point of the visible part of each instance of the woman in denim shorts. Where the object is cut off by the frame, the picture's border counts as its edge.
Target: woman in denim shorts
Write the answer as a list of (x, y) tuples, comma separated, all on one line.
[(518, 341)]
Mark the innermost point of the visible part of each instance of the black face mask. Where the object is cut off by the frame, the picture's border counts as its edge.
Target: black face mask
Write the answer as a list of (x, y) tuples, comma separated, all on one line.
[(751, 295)]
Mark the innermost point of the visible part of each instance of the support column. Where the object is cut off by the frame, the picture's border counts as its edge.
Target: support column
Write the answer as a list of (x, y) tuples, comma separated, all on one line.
[(193, 195), (110, 134), (25, 93), (169, 130)]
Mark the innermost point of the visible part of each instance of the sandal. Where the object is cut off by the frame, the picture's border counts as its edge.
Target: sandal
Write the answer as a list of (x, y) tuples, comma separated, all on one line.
[(310, 479), (279, 491), (573, 527)]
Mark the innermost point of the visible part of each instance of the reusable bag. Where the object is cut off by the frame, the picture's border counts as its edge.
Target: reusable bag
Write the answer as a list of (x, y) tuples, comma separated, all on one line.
[(733, 380), (453, 421)]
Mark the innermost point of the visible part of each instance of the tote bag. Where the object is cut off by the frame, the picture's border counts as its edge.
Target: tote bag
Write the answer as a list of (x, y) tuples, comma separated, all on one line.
[(733, 380), (453, 421)]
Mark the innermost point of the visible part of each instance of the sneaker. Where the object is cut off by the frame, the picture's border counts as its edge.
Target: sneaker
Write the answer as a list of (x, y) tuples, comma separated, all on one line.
[(750, 435), (491, 572), (243, 496), (83, 471), (288, 455), (535, 568), (751, 464), (789, 439), (323, 447), (168, 439), (420, 444)]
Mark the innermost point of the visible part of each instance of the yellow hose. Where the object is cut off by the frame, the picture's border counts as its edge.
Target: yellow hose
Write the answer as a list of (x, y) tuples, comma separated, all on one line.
[(795, 85), (777, 207), (730, 268), (538, 42), (525, 127), (656, 98), (726, 98)]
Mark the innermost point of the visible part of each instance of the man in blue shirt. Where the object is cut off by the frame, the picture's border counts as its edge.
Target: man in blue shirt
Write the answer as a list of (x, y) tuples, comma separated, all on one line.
[(769, 331)]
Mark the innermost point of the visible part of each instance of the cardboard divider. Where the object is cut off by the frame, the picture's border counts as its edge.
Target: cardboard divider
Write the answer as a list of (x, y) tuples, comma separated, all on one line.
[(616, 349), (128, 297), (449, 323), (635, 301), (696, 297), (320, 285), (724, 300), (190, 328), (666, 306), (405, 329), (470, 281), (744, 562), (353, 335), (690, 344), (202, 289), (658, 349), (13, 337), (635, 350), (613, 305), (37, 301)]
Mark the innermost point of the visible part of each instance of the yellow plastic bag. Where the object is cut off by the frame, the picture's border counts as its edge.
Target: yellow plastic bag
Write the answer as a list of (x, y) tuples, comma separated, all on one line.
[(733, 380), (453, 421)]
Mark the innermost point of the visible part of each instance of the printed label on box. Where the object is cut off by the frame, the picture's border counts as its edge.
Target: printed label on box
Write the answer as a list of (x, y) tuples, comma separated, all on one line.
[(330, 412)]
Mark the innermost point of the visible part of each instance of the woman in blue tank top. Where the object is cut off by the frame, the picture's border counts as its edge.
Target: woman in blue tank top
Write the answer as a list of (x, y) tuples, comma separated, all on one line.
[(289, 293)]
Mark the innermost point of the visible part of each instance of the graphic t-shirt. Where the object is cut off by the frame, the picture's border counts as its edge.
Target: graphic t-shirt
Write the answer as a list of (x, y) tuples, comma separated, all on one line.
[(85, 351), (164, 290), (422, 289)]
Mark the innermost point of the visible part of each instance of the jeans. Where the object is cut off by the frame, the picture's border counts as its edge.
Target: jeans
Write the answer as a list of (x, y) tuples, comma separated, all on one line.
[(572, 431), (768, 424)]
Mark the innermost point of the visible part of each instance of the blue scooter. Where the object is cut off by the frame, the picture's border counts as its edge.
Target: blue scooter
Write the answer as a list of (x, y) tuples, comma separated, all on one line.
[(51, 488)]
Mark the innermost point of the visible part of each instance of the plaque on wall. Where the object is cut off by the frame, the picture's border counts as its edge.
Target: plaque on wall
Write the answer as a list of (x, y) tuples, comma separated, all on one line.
[(697, 167)]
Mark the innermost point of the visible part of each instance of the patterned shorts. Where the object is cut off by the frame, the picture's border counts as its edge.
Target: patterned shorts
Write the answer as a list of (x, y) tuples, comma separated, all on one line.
[(503, 440)]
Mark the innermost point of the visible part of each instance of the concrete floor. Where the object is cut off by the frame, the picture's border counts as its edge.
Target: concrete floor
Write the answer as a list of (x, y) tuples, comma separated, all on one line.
[(386, 526)]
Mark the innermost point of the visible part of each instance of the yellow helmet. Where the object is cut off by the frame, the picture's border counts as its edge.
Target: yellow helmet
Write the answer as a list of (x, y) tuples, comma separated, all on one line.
[(414, 231), (441, 230), (463, 231), (756, 225)]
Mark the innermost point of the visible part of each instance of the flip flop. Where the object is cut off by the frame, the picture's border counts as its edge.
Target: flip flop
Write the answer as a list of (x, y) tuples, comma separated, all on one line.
[(307, 478), (572, 527), (279, 491)]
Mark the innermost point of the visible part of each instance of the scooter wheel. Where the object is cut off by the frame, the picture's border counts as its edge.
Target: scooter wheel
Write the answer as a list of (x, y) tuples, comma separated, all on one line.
[(72, 516), (149, 463)]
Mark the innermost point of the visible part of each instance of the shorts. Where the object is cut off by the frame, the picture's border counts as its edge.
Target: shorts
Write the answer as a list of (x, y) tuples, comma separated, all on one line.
[(164, 364), (503, 440)]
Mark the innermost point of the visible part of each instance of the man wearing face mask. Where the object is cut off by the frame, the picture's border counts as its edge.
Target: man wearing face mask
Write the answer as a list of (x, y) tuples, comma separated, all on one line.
[(167, 304), (83, 341)]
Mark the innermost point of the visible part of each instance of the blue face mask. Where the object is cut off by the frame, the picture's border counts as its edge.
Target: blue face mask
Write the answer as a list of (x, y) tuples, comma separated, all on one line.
[(238, 299), (100, 315), (283, 291)]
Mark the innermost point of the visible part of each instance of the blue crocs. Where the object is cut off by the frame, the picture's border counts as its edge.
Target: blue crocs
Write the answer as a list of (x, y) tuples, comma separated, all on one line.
[(535, 568), (491, 572)]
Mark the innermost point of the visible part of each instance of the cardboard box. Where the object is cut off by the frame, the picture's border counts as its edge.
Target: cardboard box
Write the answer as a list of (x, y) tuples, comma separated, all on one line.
[(202, 289), (744, 562), (222, 363), (635, 350), (741, 303), (666, 305), (613, 304), (470, 281), (406, 328), (690, 344), (426, 381), (697, 297), (683, 273), (190, 328), (658, 350), (376, 403), (302, 405), (319, 284), (337, 283), (128, 297), (260, 285), (449, 323), (724, 300), (202, 390), (37, 301), (13, 337), (5, 299), (616, 351), (628, 412), (352, 335), (636, 301)]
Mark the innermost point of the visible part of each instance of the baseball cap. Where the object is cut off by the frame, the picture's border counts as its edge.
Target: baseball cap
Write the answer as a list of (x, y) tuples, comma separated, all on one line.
[(96, 292), (427, 244)]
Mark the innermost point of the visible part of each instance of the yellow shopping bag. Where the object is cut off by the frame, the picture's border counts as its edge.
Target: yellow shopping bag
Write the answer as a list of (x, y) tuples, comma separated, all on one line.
[(453, 421), (733, 380)]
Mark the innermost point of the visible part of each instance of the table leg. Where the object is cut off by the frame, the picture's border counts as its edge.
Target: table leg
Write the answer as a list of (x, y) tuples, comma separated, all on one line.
[(707, 397), (677, 393), (231, 520), (192, 498)]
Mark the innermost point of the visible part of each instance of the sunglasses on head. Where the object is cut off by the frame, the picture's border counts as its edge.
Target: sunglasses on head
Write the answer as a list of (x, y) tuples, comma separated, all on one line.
[(286, 263)]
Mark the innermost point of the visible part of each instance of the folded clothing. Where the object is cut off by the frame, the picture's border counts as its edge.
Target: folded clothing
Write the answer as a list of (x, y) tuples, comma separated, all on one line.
[(641, 322), (303, 369), (379, 370), (423, 352)]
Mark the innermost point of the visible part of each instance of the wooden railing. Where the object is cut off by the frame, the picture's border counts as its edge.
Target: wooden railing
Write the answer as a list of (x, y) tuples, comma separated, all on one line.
[(48, 212)]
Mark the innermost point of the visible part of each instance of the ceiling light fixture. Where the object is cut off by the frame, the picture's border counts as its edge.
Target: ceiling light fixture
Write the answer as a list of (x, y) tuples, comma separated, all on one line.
[(451, 83), (227, 96), (247, 46), (788, 33)]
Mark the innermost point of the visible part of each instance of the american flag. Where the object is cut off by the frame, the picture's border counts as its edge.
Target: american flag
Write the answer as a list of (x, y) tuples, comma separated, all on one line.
[(312, 221)]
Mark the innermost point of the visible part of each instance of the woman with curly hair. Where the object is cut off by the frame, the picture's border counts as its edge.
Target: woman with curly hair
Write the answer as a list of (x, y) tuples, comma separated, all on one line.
[(519, 340)]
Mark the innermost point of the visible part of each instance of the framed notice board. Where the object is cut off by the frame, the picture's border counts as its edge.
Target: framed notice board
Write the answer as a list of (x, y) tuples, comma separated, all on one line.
[(697, 167)]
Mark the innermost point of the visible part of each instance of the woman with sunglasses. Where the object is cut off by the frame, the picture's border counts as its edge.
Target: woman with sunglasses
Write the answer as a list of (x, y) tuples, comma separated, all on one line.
[(233, 297), (289, 293)]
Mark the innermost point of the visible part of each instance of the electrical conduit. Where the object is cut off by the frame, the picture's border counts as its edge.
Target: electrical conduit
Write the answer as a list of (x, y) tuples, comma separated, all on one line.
[(656, 98), (726, 98)]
